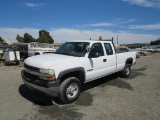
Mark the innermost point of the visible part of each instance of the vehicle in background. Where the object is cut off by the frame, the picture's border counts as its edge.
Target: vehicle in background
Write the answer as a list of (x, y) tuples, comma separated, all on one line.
[(1, 54), (145, 49), (123, 49), (126, 49), (140, 52), (11, 55), (156, 49), (143, 53), (36, 48)]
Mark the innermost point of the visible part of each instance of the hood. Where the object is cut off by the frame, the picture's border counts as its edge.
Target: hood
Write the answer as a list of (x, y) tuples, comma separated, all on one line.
[(48, 60)]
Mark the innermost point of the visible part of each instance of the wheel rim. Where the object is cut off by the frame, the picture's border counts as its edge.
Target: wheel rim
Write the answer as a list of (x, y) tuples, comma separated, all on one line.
[(72, 91), (127, 71)]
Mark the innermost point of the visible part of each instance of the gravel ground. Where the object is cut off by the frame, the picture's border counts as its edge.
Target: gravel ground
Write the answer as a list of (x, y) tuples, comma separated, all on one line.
[(108, 98)]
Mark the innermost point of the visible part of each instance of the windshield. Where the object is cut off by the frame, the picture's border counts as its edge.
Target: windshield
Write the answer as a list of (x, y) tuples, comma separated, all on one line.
[(77, 49)]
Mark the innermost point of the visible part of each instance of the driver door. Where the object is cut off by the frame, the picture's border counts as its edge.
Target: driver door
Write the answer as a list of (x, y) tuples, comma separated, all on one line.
[(96, 66)]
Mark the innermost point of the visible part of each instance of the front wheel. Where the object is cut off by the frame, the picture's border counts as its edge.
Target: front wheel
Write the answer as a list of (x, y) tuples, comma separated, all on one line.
[(69, 90), (126, 71)]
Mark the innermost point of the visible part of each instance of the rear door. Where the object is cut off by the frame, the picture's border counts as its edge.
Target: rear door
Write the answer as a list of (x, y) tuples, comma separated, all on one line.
[(111, 58)]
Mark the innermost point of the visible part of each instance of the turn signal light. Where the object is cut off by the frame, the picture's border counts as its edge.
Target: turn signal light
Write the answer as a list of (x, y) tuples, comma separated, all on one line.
[(51, 79)]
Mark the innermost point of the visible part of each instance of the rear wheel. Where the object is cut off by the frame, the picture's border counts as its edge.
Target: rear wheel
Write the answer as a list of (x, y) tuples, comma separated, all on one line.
[(69, 90), (126, 71)]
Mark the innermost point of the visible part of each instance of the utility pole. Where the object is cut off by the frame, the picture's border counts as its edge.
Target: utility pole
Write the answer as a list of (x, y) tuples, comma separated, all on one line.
[(117, 39)]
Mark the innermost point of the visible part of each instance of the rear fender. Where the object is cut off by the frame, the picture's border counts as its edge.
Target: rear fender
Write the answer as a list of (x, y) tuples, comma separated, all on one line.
[(129, 61)]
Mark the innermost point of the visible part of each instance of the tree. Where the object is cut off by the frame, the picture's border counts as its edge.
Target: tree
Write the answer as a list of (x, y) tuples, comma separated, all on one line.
[(2, 41), (156, 42), (44, 37), (28, 38), (19, 38)]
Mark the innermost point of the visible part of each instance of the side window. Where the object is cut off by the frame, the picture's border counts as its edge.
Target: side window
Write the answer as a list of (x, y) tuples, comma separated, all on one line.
[(108, 48), (97, 47)]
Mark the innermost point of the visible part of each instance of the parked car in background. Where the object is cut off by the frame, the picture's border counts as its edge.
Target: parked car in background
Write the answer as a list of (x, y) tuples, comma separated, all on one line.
[(126, 49), (138, 54), (123, 49), (143, 53), (156, 49), (151, 50)]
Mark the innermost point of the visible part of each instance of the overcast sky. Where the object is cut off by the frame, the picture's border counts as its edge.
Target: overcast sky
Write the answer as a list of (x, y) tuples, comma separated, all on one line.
[(133, 21)]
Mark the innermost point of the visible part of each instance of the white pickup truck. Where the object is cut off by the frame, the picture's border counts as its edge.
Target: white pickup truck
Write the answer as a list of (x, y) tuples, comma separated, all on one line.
[(63, 73)]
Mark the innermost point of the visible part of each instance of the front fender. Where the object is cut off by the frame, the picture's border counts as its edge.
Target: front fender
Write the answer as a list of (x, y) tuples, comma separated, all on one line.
[(77, 69)]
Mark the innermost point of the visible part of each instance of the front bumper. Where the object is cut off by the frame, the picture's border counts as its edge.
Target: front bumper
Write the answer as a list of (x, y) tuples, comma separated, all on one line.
[(47, 87)]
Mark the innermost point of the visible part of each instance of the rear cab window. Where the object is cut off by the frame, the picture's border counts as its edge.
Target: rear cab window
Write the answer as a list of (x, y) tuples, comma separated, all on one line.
[(108, 48)]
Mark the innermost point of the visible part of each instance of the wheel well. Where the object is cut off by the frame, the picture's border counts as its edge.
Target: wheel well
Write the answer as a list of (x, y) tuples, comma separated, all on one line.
[(77, 74), (129, 61), (37, 53)]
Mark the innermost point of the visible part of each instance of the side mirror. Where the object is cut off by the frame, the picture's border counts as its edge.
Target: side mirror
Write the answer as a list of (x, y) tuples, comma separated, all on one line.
[(93, 55), (88, 48)]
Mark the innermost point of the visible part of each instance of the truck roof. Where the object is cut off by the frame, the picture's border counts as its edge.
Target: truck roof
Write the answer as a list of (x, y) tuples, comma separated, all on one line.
[(91, 41)]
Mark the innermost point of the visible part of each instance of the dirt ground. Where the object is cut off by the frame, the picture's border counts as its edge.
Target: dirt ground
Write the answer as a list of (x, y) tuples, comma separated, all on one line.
[(108, 98)]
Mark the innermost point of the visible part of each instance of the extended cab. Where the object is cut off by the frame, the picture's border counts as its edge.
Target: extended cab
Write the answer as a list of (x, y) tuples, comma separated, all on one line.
[(63, 73)]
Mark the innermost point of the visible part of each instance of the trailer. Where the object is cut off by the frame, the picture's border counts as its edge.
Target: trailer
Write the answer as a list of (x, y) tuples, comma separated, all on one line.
[(11, 55)]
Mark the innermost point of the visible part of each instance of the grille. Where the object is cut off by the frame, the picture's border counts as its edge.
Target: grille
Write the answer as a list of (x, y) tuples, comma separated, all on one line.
[(31, 68), (29, 75), (33, 77)]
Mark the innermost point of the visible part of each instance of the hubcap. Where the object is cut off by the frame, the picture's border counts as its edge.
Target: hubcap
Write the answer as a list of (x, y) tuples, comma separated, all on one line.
[(127, 70), (72, 91)]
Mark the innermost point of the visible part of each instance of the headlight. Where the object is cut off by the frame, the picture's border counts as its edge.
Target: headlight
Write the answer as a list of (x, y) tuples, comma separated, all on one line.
[(46, 71), (43, 70), (51, 72)]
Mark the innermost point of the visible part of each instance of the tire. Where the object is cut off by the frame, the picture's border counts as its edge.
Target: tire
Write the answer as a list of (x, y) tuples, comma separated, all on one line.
[(126, 71), (69, 90)]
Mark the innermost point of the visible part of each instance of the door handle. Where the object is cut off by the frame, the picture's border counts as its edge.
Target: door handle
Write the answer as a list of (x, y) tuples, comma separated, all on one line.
[(104, 60)]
